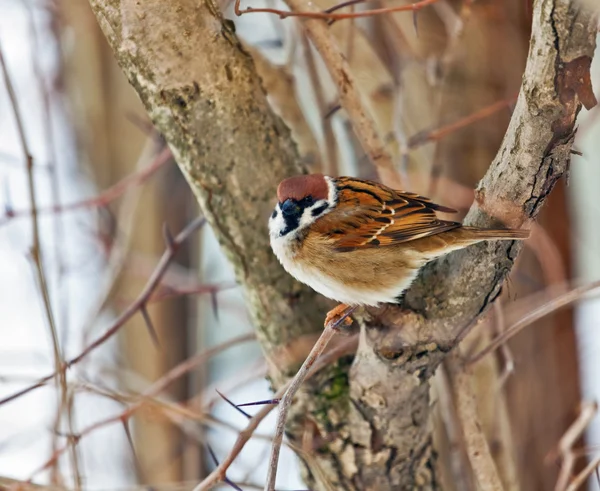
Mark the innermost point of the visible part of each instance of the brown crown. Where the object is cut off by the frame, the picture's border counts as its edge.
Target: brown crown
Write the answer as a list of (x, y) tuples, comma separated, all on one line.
[(300, 187)]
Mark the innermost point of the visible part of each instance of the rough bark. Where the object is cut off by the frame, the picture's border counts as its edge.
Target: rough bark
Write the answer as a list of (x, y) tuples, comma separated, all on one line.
[(202, 92)]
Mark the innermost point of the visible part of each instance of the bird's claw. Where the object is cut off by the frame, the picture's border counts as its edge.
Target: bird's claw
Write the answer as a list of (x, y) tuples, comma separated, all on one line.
[(339, 317)]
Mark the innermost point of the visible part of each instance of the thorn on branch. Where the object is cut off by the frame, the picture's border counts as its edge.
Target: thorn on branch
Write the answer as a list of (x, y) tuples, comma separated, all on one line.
[(214, 304), (232, 404), (149, 325), (260, 403), (168, 237), (332, 111), (225, 478), (125, 423)]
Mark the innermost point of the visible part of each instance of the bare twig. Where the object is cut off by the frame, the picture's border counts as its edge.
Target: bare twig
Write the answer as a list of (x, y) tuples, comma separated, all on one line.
[(284, 404), (148, 290), (349, 95), (156, 388), (553, 305), (580, 479), (120, 246), (426, 136), (133, 308), (508, 367), (105, 197), (309, 13), (245, 435), (565, 445), (36, 253), (477, 447), (330, 150)]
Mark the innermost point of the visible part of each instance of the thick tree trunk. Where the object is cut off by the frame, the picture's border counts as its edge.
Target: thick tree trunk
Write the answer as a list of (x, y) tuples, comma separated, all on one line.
[(203, 94)]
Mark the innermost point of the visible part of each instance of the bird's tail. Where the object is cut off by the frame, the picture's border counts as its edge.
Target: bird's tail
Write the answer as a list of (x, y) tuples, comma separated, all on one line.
[(478, 234), (461, 237)]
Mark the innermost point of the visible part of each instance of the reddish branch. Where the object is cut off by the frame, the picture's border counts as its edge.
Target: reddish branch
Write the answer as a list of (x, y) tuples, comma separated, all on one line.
[(139, 305), (102, 199), (425, 136), (536, 314), (329, 15), (156, 388)]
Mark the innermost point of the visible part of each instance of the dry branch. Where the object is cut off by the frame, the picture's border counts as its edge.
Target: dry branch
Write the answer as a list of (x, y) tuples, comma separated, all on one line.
[(37, 256), (138, 305), (482, 462), (349, 95), (103, 198)]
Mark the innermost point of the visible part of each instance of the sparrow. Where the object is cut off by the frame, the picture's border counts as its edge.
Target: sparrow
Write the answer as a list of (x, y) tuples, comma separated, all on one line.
[(362, 243)]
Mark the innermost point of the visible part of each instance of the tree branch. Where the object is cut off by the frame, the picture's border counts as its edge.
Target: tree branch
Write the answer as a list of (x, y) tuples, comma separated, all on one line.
[(233, 150)]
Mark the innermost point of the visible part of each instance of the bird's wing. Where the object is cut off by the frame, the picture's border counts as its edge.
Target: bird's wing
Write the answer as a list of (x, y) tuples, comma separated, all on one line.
[(371, 215)]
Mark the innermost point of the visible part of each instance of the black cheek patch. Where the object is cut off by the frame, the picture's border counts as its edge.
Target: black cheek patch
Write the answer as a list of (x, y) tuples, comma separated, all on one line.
[(291, 223), (317, 211)]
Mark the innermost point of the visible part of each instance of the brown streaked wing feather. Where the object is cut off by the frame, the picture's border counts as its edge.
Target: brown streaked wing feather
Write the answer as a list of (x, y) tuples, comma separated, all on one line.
[(372, 215)]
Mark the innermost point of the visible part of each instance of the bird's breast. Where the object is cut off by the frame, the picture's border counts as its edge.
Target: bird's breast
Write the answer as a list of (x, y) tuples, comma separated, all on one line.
[(354, 278)]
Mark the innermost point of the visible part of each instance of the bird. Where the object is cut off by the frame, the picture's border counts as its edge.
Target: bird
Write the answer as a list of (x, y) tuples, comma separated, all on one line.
[(361, 243)]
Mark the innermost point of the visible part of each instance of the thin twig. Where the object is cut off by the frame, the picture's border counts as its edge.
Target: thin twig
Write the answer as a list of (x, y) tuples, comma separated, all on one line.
[(549, 307), (349, 95), (58, 232), (426, 136), (286, 401), (315, 14), (121, 244), (480, 457), (148, 290), (580, 479), (156, 388), (330, 150), (244, 436), (570, 437), (103, 198), (36, 253), (133, 308)]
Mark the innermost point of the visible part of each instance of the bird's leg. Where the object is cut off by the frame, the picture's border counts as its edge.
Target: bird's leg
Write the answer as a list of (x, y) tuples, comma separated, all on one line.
[(336, 314)]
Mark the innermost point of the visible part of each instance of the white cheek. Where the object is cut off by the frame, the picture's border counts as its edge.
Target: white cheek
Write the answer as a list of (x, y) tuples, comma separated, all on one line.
[(277, 224), (306, 218)]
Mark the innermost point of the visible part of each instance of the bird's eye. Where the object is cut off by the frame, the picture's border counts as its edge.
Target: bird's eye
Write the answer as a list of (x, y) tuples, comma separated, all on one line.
[(289, 207), (317, 211), (274, 214)]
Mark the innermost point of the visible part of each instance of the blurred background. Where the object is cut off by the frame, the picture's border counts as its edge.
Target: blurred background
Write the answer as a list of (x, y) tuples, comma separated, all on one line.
[(441, 85)]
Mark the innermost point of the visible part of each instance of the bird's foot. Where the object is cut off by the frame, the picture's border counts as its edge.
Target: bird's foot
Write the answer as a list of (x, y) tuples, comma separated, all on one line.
[(339, 317)]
